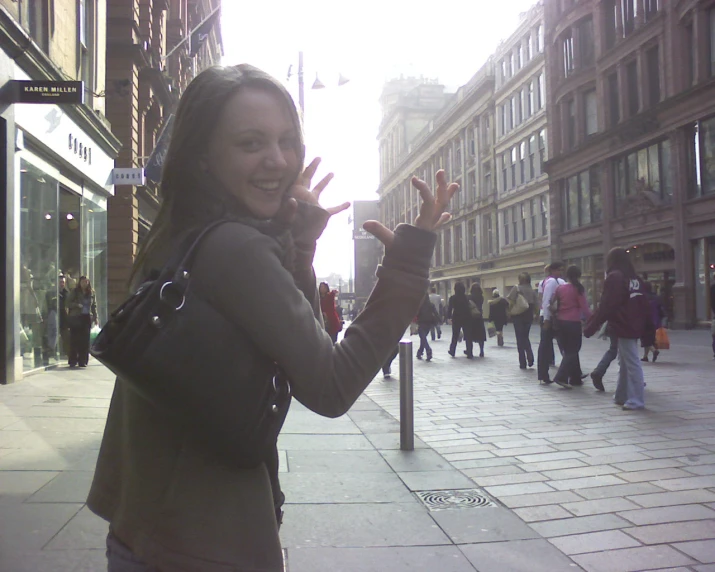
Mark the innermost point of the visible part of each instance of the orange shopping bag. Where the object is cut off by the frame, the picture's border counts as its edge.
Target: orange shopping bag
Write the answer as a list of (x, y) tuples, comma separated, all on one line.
[(661, 339)]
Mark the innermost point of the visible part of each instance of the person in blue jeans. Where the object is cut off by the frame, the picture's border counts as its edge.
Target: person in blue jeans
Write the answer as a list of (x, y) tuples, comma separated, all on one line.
[(608, 357), (625, 307)]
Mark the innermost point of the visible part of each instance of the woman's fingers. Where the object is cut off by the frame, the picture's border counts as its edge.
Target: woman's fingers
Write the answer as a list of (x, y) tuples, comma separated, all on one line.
[(380, 232), (309, 172), (286, 214), (340, 208), (320, 187)]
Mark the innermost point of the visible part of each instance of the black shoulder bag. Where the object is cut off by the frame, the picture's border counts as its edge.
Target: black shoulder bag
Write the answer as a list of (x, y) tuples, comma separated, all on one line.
[(182, 355)]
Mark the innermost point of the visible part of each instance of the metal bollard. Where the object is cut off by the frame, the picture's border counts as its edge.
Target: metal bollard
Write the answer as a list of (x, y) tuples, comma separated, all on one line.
[(407, 414)]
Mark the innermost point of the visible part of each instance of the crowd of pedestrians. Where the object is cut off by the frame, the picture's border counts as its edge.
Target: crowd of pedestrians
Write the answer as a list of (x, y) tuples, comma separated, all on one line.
[(628, 313)]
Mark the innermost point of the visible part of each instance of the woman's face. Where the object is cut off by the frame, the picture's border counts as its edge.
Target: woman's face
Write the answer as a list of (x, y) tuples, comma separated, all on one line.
[(84, 283), (323, 289), (254, 150)]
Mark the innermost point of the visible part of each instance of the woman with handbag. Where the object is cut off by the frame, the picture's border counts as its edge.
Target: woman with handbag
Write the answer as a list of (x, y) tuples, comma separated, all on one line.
[(192, 483), (477, 331), (522, 307), (570, 308), (82, 313), (648, 340), (498, 307)]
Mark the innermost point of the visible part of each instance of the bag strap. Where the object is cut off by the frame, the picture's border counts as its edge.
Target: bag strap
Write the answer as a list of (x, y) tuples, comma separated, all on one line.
[(186, 259)]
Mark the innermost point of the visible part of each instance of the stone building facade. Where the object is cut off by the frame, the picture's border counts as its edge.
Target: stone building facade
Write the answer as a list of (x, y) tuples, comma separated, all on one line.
[(490, 137), (631, 101), (146, 74), (57, 161)]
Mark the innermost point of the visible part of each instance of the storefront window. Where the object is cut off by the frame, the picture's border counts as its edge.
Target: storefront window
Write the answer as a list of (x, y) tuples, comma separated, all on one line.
[(39, 239), (94, 248)]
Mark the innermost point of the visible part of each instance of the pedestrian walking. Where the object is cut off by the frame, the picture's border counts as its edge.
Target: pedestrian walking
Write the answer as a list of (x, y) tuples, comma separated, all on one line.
[(387, 366), (477, 331), (626, 309), (438, 303), (333, 324), (608, 357), (546, 343), (648, 341), (180, 493), (570, 299), (82, 309), (498, 308), (427, 317), (63, 321), (523, 318), (458, 311)]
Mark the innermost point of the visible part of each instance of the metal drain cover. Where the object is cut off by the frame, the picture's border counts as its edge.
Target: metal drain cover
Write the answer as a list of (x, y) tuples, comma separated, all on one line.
[(56, 400), (463, 498)]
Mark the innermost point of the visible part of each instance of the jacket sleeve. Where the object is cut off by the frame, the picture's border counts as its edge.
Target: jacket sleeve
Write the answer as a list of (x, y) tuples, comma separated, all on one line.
[(450, 307), (611, 298), (242, 273)]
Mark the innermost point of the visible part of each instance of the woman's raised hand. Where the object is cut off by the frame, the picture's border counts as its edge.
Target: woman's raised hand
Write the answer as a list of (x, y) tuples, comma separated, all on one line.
[(301, 191), (432, 211)]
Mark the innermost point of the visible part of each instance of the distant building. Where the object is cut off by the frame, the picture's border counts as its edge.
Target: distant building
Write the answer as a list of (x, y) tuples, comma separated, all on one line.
[(631, 97), (367, 249)]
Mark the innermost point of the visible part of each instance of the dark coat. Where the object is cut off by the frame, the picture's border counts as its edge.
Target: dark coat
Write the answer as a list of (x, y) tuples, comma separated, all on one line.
[(498, 312), (624, 305), (458, 309), (427, 314)]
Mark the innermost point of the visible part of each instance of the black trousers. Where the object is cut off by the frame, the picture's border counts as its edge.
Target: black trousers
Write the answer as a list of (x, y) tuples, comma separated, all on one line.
[(546, 352), (522, 326), (80, 327), (422, 331), (388, 364), (464, 328), (570, 369)]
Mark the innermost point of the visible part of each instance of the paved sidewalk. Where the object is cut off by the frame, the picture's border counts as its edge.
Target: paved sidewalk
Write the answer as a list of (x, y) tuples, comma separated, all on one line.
[(582, 485), (615, 490)]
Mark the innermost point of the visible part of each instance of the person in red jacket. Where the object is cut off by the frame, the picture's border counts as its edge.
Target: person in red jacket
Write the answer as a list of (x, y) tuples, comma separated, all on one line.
[(624, 305), (333, 324)]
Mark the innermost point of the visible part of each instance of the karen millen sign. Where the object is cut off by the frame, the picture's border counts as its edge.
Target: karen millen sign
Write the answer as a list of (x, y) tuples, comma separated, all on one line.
[(55, 92)]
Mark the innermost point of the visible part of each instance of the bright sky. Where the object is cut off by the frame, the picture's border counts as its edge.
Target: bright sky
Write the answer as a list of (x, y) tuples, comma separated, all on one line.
[(368, 42)]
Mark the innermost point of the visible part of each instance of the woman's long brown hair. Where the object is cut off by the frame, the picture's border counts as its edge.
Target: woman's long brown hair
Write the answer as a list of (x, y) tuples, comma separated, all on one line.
[(184, 206)]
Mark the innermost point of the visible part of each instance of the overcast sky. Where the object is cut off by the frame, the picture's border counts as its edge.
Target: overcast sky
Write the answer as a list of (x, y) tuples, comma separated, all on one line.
[(368, 42)]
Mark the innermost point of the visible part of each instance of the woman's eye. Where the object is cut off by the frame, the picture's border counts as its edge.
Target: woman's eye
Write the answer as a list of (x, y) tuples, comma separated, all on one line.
[(251, 145)]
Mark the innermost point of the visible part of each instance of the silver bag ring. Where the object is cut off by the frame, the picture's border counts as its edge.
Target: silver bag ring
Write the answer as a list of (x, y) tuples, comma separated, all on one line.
[(161, 296)]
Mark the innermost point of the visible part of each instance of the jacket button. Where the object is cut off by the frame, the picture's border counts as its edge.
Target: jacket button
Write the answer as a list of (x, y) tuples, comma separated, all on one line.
[(274, 408), (185, 275), (156, 321)]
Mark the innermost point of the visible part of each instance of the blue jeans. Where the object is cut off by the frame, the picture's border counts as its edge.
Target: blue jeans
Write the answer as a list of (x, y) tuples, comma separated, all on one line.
[(522, 325), (121, 559), (608, 357), (422, 331), (630, 375)]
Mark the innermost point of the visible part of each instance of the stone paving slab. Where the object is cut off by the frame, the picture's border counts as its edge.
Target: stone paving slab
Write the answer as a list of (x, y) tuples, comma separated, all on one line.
[(518, 556)]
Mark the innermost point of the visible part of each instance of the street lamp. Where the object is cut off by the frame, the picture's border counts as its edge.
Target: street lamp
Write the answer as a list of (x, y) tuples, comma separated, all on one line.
[(317, 84)]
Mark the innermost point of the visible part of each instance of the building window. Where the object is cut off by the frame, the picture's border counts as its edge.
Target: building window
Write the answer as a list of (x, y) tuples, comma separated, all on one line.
[(522, 162), (472, 237), (532, 157), (647, 170), (503, 122), (520, 56), (438, 251), (632, 79), (591, 111), (34, 17), (522, 106), (504, 162), (514, 224), (530, 100), (487, 190), (542, 91), (570, 123), (614, 100), (702, 158), (651, 9), (512, 64), (629, 12), (544, 216), (512, 164), (586, 43), (513, 121), (522, 208), (582, 199), (533, 218), (448, 246), (505, 215), (689, 41), (653, 67), (542, 150), (487, 130), (458, 243), (610, 11), (529, 47), (540, 39), (567, 54), (489, 232), (504, 75)]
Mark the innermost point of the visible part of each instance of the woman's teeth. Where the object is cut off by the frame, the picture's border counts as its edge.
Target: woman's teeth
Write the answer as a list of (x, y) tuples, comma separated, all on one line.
[(267, 185)]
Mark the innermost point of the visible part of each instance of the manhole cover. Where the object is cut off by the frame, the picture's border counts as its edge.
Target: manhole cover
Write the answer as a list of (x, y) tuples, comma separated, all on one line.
[(56, 400), (464, 498)]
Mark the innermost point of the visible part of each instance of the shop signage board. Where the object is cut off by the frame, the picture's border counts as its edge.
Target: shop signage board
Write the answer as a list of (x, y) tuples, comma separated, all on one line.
[(44, 91), (128, 176)]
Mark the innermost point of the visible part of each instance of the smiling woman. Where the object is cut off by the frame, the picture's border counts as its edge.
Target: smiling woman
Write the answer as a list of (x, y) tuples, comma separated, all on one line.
[(188, 478)]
